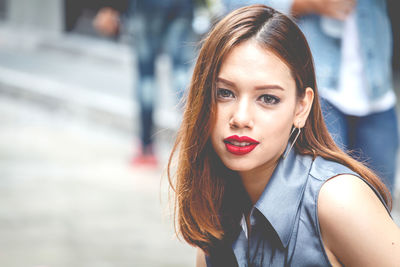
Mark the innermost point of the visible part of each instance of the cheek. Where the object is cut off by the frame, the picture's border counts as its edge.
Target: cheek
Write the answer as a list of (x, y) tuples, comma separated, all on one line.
[(219, 119), (215, 129), (213, 135), (219, 128), (276, 126)]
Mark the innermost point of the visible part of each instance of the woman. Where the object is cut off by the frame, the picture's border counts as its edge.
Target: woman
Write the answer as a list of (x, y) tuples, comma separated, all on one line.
[(258, 180)]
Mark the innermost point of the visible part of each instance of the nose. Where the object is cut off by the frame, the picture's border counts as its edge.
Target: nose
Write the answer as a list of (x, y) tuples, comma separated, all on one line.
[(242, 116)]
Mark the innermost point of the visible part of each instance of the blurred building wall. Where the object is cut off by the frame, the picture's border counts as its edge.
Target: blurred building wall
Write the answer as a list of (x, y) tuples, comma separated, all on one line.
[(62, 15), (46, 15), (2, 9)]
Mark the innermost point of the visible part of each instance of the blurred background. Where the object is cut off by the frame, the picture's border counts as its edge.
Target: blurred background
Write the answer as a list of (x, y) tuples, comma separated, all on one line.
[(69, 127)]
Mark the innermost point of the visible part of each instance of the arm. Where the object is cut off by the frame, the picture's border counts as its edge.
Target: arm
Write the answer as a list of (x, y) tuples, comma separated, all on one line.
[(303, 7), (200, 258), (356, 229), (338, 9)]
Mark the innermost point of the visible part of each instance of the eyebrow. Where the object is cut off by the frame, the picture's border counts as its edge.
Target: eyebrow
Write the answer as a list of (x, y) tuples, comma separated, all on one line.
[(260, 87)]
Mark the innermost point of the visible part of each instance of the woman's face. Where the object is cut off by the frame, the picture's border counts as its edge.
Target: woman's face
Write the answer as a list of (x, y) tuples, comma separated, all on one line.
[(256, 109)]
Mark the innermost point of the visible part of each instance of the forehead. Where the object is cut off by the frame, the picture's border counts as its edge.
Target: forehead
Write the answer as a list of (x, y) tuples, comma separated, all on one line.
[(248, 62)]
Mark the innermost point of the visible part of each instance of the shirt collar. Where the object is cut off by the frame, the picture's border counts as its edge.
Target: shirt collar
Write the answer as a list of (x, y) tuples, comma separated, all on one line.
[(280, 200)]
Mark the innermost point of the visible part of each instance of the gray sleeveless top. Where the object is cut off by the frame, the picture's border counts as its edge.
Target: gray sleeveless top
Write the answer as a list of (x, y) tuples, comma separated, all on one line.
[(285, 227)]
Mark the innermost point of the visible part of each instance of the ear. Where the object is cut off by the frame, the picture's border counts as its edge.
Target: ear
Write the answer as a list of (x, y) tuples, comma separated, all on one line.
[(303, 108)]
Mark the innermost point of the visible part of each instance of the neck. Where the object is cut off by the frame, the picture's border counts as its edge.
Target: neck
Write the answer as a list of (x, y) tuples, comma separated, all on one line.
[(255, 181)]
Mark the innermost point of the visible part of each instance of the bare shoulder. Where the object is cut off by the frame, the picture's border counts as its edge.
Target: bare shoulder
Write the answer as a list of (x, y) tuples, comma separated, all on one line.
[(347, 190), (355, 225)]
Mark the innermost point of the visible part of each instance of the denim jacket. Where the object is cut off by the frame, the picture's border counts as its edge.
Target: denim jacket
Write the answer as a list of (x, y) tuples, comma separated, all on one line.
[(375, 35)]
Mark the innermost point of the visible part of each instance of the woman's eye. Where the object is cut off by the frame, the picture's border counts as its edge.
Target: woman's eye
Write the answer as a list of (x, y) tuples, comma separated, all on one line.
[(224, 93), (269, 99)]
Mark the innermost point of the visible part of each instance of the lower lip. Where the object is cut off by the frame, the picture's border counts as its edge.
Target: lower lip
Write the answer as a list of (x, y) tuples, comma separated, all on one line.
[(240, 150)]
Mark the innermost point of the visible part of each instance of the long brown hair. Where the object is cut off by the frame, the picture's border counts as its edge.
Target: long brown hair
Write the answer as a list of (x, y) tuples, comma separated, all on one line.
[(208, 196)]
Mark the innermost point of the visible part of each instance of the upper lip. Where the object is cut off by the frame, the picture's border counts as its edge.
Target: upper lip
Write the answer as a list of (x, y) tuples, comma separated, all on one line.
[(241, 139)]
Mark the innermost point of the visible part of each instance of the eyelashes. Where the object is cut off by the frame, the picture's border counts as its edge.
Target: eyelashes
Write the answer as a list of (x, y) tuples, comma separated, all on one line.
[(224, 93), (267, 99)]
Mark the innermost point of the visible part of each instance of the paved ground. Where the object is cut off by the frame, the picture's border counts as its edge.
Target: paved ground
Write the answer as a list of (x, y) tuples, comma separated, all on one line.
[(70, 198)]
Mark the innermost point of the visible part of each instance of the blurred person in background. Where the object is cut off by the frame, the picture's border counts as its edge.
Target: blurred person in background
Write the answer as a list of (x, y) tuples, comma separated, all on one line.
[(157, 27), (352, 46)]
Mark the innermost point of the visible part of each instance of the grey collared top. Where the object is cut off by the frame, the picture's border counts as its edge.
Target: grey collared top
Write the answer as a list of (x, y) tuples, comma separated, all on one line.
[(285, 227)]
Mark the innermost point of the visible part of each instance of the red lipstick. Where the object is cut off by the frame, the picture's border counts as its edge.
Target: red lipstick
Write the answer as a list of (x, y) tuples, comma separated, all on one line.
[(240, 145)]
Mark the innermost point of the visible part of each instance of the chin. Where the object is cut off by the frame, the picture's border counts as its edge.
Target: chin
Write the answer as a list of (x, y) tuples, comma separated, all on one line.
[(238, 165)]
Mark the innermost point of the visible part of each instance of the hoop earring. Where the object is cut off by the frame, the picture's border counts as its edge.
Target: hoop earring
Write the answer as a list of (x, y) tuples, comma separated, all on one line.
[(294, 141)]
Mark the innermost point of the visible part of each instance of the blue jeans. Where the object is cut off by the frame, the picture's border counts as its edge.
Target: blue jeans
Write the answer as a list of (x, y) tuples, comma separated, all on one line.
[(158, 29), (371, 139)]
